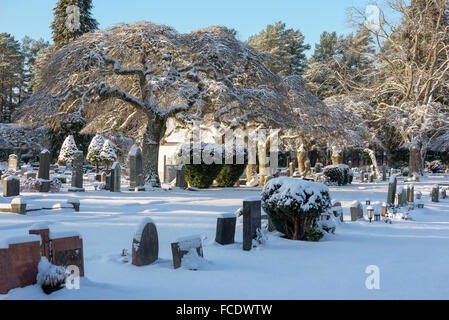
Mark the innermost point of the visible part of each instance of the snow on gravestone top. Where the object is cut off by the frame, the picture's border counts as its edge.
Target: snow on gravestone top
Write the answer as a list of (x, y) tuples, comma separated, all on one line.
[(9, 178), (18, 200), (134, 150), (189, 242), (355, 204), (5, 243), (65, 234), (141, 227), (227, 215), (40, 226), (252, 199)]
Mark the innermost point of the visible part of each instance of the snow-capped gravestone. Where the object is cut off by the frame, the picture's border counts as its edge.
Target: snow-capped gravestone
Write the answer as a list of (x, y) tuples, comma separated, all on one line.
[(12, 162), (392, 190), (252, 220), (145, 246), (136, 179), (356, 211), (225, 229), (18, 205), (11, 186), (114, 185), (384, 173), (183, 246), (77, 172), (44, 165), (181, 177), (411, 194), (436, 193), (401, 197)]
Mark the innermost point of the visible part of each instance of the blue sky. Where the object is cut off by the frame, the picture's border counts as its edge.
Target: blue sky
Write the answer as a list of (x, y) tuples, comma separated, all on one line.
[(248, 17)]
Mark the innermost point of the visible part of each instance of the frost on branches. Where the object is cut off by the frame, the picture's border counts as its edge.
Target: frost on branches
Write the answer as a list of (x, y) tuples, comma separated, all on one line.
[(68, 150), (133, 78)]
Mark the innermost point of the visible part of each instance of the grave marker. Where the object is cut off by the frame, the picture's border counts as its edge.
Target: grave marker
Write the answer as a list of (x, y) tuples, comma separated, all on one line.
[(145, 246), (136, 179), (182, 246), (252, 221), (225, 229), (77, 172)]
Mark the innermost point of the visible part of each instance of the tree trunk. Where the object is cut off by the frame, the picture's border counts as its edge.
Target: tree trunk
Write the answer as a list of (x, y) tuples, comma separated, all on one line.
[(301, 155), (372, 156), (150, 150), (415, 161)]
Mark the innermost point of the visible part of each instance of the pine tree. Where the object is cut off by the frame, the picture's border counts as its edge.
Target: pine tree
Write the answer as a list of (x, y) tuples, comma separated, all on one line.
[(65, 25), (285, 45), (34, 51), (108, 153), (94, 151), (68, 150)]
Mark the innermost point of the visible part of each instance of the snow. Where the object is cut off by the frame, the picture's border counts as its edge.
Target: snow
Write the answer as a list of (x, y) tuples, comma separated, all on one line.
[(141, 227), (411, 254), (188, 242), (18, 200), (5, 243), (65, 234)]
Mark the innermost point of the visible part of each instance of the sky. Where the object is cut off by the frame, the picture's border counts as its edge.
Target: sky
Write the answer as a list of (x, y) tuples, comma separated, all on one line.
[(248, 17)]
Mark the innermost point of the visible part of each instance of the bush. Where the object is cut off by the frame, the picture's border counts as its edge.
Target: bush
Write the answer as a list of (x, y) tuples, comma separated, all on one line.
[(294, 205), (340, 174), (436, 166), (210, 156), (230, 173)]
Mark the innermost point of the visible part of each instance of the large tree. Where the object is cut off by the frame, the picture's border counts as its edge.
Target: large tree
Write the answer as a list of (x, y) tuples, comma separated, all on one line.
[(72, 19), (285, 45), (33, 51), (133, 78)]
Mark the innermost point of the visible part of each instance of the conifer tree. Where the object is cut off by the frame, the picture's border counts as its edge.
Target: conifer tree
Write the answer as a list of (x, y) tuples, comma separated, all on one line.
[(68, 150), (108, 154), (94, 151)]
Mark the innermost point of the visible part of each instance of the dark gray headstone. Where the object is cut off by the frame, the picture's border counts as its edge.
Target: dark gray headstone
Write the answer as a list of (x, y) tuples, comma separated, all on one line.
[(384, 173), (182, 246), (392, 190), (436, 193), (225, 229), (44, 186), (252, 221), (115, 177), (77, 172), (44, 165), (145, 248), (11, 186), (181, 177), (136, 178)]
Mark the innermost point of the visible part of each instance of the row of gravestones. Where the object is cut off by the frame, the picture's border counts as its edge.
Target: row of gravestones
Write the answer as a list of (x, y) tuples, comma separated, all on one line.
[(370, 175), (145, 246)]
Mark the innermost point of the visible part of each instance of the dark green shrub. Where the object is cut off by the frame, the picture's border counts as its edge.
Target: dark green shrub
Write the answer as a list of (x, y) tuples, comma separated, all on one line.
[(230, 173), (340, 174), (294, 205)]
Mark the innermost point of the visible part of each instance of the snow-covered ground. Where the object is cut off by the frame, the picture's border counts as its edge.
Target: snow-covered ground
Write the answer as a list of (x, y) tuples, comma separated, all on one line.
[(412, 256)]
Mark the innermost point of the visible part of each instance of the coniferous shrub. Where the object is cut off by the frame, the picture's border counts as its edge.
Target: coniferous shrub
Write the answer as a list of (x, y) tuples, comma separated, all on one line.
[(340, 174), (294, 205), (231, 173)]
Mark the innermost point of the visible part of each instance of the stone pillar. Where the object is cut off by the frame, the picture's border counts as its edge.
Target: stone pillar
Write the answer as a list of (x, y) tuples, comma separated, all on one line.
[(115, 177), (44, 165), (136, 179), (391, 190), (77, 172), (252, 221), (225, 229)]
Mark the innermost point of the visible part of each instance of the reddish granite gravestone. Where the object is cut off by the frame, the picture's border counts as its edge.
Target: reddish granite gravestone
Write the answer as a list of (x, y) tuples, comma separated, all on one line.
[(145, 247), (43, 231), (67, 250), (19, 258)]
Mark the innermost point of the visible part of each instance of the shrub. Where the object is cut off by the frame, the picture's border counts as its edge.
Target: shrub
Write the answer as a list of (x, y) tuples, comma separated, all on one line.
[(294, 205), (340, 174), (210, 158), (230, 173), (436, 166)]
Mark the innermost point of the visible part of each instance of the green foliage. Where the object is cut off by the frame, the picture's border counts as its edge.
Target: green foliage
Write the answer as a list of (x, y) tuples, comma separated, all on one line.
[(340, 174), (230, 173), (62, 34), (285, 45), (314, 233)]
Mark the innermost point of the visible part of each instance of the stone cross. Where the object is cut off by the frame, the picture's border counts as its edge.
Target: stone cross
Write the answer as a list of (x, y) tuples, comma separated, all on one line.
[(145, 246), (77, 172), (252, 220), (115, 177), (136, 179), (44, 165), (225, 229)]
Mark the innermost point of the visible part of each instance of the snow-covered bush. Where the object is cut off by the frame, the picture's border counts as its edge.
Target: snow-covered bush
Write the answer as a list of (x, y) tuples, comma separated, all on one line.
[(108, 154), (68, 150), (294, 205), (230, 173), (318, 167), (34, 185), (203, 163), (94, 151), (50, 277), (340, 174), (436, 166)]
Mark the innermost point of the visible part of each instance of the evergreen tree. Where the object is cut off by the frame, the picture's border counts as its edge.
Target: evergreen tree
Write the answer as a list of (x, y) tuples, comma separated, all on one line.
[(94, 151), (72, 19), (108, 154), (285, 45), (44, 55), (68, 150), (33, 60)]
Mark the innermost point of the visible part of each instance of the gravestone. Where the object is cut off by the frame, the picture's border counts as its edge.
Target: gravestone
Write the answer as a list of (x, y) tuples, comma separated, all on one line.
[(411, 194), (391, 190), (181, 177), (11, 186), (136, 179), (77, 172), (362, 176), (252, 221), (356, 211), (436, 193), (182, 246), (371, 178), (30, 174), (225, 229), (12, 162), (44, 165), (18, 206), (115, 177), (443, 193), (291, 169), (145, 246), (401, 197), (384, 211), (23, 169), (384, 173), (67, 249)]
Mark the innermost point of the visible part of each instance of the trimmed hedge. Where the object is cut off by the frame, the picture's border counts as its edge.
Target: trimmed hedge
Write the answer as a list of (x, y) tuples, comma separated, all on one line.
[(340, 174), (230, 173)]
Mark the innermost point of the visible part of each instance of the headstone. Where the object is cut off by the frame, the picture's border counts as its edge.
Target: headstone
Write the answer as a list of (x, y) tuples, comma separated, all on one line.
[(182, 246), (401, 197), (67, 250), (356, 211), (44, 165), (181, 177), (115, 177), (225, 229), (30, 175), (11, 186), (384, 173), (384, 211), (362, 176), (337, 211), (371, 178), (435, 193), (291, 169), (443, 193), (392, 190), (145, 246), (252, 221), (136, 178), (411, 194), (77, 172), (18, 206), (12, 162), (23, 169)]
